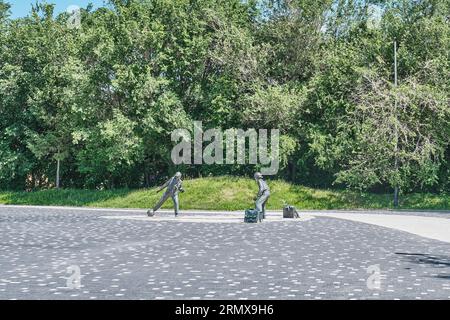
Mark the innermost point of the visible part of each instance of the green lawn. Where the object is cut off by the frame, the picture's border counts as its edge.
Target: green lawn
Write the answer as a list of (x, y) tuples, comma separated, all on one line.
[(226, 193)]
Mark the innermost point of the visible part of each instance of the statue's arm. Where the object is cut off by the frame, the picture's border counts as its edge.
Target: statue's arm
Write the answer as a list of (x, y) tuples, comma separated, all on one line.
[(163, 186), (260, 190), (181, 187)]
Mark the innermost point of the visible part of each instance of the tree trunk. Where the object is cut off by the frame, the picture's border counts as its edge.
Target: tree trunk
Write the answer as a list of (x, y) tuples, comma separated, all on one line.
[(58, 165), (292, 171), (396, 197)]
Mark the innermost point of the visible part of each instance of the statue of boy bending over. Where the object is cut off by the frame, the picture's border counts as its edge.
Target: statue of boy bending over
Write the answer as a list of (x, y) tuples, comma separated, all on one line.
[(263, 194)]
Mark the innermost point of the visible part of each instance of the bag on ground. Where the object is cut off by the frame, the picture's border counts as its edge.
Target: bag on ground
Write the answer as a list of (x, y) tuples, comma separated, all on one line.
[(252, 216), (290, 212)]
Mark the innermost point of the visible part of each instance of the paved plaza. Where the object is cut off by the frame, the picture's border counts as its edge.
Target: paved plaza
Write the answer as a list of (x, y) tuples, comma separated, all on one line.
[(123, 254)]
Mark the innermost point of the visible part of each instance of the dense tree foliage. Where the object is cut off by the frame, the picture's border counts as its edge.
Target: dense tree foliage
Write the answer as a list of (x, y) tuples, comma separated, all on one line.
[(97, 104)]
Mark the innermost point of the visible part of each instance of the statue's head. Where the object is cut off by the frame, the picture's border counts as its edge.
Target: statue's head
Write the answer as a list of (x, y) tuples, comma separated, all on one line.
[(258, 175), (178, 175)]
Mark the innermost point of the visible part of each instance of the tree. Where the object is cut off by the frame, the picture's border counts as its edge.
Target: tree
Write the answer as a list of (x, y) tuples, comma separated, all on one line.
[(95, 106), (353, 98), (110, 150), (412, 133)]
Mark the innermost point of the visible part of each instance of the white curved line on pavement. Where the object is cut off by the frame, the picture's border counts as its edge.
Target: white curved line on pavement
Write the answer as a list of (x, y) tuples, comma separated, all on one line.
[(427, 227)]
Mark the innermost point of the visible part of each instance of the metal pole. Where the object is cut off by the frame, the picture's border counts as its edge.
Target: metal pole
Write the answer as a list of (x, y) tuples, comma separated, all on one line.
[(57, 170), (396, 189), (57, 173)]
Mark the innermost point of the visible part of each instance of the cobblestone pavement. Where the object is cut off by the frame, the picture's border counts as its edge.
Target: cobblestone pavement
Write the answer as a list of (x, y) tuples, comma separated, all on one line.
[(445, 214), (121, 257)]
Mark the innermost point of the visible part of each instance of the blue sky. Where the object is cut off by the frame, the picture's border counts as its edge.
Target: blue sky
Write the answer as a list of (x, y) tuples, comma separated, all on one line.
[(21, 8)]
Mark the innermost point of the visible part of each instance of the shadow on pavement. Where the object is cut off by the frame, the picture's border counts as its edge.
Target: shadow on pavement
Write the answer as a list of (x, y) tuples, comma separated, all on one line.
[(438, 261)]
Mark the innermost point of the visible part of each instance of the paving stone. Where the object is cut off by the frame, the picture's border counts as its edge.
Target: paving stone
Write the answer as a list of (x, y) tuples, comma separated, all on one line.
[(122, 257)]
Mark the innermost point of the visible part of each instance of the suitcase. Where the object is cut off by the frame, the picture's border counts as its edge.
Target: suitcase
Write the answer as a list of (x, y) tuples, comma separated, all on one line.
[(289, 212), (252, 216)]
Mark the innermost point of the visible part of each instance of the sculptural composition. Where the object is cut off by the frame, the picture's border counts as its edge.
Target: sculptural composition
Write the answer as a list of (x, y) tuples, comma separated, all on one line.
[(173, 185), (263, 194)]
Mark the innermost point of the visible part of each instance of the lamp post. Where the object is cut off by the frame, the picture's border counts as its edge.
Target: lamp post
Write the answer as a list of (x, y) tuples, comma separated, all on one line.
[(396, 188)]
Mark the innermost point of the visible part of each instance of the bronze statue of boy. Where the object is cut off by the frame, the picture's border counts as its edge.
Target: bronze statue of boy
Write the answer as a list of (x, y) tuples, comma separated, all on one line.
[(173, 185), (263, 194)]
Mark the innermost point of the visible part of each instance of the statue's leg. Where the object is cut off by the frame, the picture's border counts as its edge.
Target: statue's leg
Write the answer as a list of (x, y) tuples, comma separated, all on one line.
[(266, 197), (161, 202), (175, 203), (264, 209), (258, 204)]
